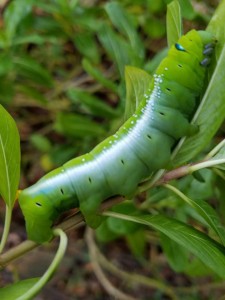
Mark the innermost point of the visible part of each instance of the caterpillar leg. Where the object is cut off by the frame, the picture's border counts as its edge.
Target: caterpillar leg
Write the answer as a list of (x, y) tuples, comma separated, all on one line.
[(193, 129), (90, 211)]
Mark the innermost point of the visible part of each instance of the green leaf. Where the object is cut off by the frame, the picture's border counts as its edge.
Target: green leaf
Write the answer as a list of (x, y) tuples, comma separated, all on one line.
[(122, 227), (77, 126), (13, 291), (216, 27), (197, 268), (208, 117), (15, 12), (62, 153), (206, 249), (137, 85), (155, 28), (156, 6), (56, 8), (5, 63), (92, 103), (173, 23), (118, 49), (98, 75), (41, 142), (51, 9), (204, 189), (32, 93), (64, 7), (210, 216), (152, 64), (104, 234), (33, 39), (31, 69), (187, 9), (112, 228), (3, 40), (7, 90), (177, 255), (9, 157), (122, 21), (137, 243), (86, 44), (205, 211)]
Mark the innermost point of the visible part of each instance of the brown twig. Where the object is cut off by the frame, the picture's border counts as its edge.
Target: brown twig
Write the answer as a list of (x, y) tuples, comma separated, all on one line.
[(174, 174)]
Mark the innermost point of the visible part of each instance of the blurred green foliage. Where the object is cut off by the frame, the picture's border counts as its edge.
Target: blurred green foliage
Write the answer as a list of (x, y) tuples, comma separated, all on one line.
[(62, 64)]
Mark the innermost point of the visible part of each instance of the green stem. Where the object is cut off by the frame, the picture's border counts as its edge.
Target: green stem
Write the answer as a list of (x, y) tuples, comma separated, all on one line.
[(8, 215), (215, 150), (52, 268), (178, 193), (206, 164), (148, 183), (219, 173)]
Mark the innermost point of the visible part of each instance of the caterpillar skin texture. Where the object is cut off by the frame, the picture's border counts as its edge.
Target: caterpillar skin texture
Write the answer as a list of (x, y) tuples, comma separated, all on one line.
[(141, 146)]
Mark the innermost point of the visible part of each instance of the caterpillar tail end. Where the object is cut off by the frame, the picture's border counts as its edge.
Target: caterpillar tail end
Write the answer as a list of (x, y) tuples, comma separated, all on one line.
[(38, 222)]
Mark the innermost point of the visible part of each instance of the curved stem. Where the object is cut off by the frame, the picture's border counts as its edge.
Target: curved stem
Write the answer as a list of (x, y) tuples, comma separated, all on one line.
[(131, 278), (112, 290), (8, 215), (134, 278), (48, 274)]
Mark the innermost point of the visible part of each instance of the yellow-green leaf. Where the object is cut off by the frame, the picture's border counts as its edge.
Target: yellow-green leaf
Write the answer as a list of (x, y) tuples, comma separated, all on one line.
[(137, 85), (9, 157)]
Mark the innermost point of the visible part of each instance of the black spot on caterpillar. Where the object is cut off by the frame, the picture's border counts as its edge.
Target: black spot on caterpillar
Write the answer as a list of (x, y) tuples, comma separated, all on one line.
[(141, 146)]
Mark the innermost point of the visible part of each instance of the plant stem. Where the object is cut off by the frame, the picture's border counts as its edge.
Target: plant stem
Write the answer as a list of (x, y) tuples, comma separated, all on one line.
[(131, 278), (180, 172), (73, 222), (8, 215), (137, 278), (207, 164), (14, 253), (112, 290), (215, 150), (220, 173), (48, 274)]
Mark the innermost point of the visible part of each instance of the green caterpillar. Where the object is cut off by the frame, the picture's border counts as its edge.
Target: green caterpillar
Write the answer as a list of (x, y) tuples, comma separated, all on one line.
[(141, 146)]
